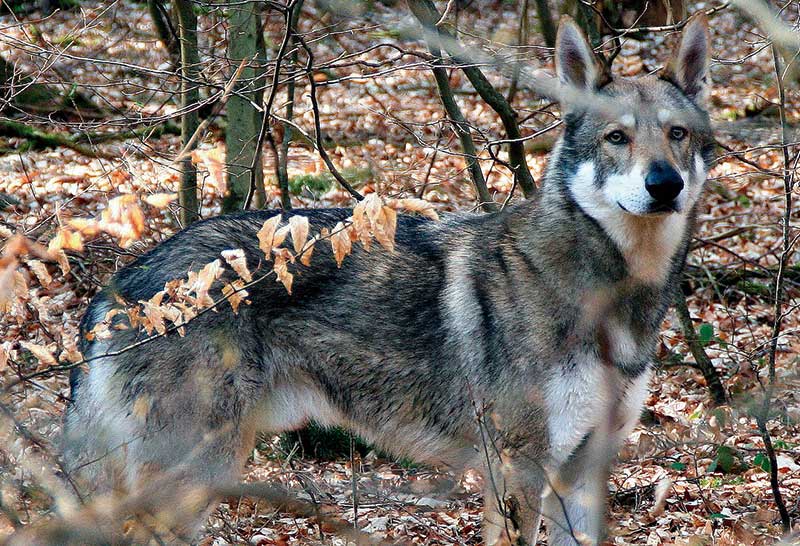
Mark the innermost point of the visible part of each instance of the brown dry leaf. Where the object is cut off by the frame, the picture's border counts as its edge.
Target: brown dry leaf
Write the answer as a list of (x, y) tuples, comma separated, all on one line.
[(63, 263), (238, 262), (201, 282), (124, 219), (340, 242), (40, 270), (308, 250), (153, 314), (71, 354), (118, 177), (299, 229), (282, 259), (386, 228), (235, 294), (160, 200), (85, 226), (66, 239), (266, 235), (16, 246), (100, 330), (371, 218), (13, 288), (214, 161), (3, 357), (188, 312), (40, 352), (361, 224), (8, 266), (412, 204)]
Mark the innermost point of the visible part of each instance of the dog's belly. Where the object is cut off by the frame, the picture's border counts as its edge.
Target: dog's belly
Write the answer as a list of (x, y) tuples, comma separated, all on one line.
[(581, 395)]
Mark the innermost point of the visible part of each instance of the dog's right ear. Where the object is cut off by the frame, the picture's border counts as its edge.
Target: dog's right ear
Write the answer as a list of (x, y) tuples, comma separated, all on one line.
[(576, 64)]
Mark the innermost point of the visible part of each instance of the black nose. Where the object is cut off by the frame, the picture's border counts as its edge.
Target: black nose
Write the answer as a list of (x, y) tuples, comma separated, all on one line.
[(663, 182)]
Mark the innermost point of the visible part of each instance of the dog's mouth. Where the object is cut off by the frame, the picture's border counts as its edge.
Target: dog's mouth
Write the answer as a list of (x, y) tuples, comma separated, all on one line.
[(656, 209)]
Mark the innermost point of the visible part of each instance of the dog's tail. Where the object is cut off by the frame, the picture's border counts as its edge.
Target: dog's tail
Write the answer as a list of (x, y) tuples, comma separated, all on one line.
[(80, 437)]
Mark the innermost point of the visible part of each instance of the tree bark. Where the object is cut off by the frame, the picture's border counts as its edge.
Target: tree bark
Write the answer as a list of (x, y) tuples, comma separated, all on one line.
[(243, 158), (190, 97), (164, 29), (546, 23), (704, 363)]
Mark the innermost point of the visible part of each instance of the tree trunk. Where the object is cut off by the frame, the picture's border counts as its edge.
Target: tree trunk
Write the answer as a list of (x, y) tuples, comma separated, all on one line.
[(244, 121), (164, 29), (704, 364), (190, 96)]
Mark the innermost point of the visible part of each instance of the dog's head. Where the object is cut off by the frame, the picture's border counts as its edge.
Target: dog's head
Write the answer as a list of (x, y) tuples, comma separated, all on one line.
[(648, 155)]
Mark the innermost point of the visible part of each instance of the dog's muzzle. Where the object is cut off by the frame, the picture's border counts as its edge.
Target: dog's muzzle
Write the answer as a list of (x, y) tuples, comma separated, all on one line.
[(664, 184)]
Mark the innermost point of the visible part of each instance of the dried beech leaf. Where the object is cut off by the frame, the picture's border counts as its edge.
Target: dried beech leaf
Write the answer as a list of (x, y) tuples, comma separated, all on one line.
[(341, 243), (238, 263), (412, 204), (282, 269), (123, 219), (200, 282), (280, 236), (307, 251), (66, 239), (361, 225), (63, 263), (266, 235), (299, 229), (85, 226), (235, 294), (386, 227), (40, 270)]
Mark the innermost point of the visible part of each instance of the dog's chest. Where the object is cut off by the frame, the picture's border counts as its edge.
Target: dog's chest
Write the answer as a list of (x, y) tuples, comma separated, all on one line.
[(581, 394)]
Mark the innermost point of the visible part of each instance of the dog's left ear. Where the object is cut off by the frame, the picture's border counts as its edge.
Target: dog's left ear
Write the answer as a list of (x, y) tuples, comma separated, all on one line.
[(689, 68)]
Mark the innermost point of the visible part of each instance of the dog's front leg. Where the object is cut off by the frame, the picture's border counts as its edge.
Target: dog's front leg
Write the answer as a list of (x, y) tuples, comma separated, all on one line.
[(574, 506), (512, 500)]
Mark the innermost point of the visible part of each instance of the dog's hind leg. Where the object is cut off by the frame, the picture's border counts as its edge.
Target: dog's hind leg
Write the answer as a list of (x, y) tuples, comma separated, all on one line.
[(175, 429), (179, 488), (192, 445)]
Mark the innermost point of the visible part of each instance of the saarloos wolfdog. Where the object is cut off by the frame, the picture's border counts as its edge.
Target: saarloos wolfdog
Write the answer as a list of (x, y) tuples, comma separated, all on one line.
[(518, 343)]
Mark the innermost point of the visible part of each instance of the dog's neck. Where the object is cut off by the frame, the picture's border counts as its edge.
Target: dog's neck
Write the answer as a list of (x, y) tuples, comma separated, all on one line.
[(619, 247)]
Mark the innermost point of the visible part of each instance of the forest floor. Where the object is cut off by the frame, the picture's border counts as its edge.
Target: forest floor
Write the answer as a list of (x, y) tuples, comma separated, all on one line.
[(384, 131)]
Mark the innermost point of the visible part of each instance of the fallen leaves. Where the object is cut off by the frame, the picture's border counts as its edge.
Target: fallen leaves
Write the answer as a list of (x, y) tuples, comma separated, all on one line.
[(160, 200), (41, 352)]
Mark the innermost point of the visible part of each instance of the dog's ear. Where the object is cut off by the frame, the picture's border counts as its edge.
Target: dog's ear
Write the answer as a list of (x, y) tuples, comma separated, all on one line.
[(689, 68), (576, 64)]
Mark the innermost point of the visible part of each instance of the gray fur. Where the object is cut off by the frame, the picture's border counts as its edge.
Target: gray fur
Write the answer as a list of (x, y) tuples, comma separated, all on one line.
[(464, 348)]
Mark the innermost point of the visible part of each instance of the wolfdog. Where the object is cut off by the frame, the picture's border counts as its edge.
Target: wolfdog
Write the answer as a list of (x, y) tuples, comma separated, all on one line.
[(518, 343)]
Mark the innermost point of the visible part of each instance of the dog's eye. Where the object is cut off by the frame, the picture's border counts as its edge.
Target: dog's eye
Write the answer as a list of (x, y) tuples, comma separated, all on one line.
[(677, 133), (617, 137)]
